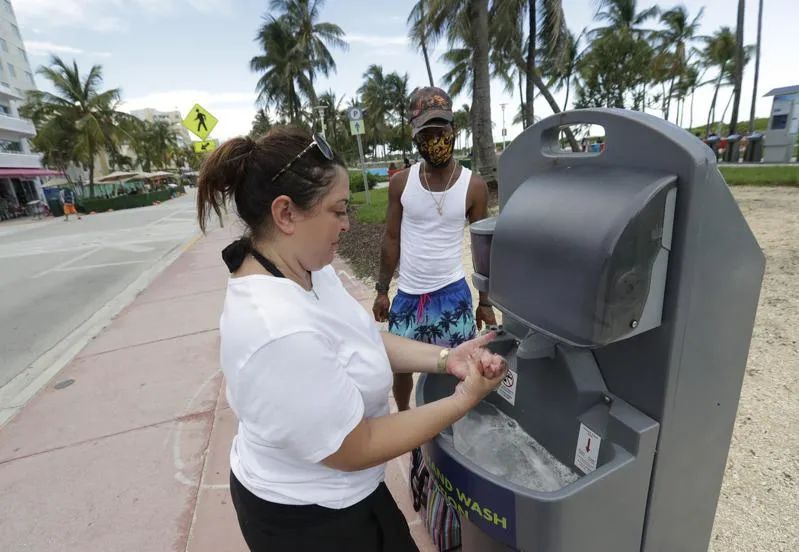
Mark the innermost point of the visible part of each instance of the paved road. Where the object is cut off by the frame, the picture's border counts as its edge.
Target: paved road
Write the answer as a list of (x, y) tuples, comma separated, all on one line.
[(55, 275)]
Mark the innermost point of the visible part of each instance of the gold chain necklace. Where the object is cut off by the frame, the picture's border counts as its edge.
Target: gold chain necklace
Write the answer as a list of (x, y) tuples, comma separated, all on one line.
[(426, 185)]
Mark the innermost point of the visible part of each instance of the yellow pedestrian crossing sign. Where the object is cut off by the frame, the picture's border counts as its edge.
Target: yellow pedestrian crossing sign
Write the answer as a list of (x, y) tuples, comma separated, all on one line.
[(205, 146), (356, 127), (200, 121)]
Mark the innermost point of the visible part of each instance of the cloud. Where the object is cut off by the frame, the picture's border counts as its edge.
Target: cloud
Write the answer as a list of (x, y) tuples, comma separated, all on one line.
[(86, 14), (377, 40), (107, 16), (39, 48)]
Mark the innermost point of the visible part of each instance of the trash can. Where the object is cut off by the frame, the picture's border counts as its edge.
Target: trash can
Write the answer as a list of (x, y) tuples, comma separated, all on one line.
[(732, 152), (621, 329), (56, 207), (713, 143), (754, 148)]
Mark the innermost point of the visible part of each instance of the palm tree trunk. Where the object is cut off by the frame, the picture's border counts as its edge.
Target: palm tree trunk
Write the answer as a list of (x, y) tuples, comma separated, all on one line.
[(668, 98), (556, 109), (473, 122), (724, 115), (568, 86), (691, 119), (530, 109), (757, 68), (312, 99), (91, 169), (481, 82), (424, 45), (427, 63), (402, 133), (712, 111), (521, 99), (739, 67)]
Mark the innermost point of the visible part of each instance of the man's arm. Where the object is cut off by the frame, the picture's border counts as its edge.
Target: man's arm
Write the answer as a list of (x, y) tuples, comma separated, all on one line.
[(390, 251), (477, 201)]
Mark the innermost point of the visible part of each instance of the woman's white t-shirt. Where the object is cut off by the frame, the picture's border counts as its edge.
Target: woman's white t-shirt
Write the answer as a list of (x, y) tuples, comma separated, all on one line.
[(301, 374)]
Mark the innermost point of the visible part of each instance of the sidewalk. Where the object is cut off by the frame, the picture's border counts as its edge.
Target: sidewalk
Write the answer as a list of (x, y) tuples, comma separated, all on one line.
[(126, 449)]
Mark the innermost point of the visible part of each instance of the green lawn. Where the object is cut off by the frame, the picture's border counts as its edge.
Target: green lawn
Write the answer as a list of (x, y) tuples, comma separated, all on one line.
[(761, 176), (735, 176), (376, 211)]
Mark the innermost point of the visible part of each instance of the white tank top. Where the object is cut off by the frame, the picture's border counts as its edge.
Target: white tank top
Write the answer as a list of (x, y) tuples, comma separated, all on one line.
[(431, 244)]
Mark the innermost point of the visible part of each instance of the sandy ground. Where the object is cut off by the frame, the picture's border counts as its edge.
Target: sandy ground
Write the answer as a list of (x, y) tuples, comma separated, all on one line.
[(759, 505)]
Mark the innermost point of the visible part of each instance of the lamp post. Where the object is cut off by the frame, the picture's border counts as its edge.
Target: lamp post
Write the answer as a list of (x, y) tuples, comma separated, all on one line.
[(504, 131)]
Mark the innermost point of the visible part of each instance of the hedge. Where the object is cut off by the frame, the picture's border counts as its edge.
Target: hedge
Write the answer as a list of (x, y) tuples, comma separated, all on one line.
[(99, 205), (356, 180)]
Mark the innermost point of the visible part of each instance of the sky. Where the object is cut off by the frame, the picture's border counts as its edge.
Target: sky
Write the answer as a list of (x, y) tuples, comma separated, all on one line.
[(170, 54)]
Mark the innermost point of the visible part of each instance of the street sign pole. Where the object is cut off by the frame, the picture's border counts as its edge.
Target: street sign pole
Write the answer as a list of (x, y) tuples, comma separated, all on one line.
[(355, 115), (363, 170)]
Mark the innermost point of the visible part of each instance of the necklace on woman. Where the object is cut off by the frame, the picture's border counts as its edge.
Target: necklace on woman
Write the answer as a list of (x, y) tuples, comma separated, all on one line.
[(426, 184)]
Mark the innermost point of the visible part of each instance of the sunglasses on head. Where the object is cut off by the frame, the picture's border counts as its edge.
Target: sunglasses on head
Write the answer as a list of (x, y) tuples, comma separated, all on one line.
[(319, 142)]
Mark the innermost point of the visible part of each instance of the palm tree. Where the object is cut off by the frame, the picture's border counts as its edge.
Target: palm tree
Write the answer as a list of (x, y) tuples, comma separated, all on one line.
[(460, 74), (398, 100), (375, 96), (507, 56), (757, 67), (676, 39), (687, 84), (154, 143), (617, 67), (508, 19), (470, 19), (283, 69), (332, 108), (78, 113), (623, 16), (729, 80), (310, 37), (261, 124), (462, 120), (418, 34), (739, 66), (561, 70), (719, 52)]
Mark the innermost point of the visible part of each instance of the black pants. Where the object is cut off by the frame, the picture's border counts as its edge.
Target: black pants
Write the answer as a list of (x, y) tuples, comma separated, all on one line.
[(375, 524)]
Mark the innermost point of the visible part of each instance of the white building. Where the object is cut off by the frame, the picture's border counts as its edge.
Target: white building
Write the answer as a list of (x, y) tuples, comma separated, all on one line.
[(174, 118), (20, 168)]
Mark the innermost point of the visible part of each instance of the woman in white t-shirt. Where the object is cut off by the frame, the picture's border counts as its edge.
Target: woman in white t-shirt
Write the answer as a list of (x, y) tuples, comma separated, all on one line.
[(308, 374)]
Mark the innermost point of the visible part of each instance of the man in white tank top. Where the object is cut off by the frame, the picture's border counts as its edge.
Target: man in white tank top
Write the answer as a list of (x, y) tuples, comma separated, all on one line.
[(429, 205)]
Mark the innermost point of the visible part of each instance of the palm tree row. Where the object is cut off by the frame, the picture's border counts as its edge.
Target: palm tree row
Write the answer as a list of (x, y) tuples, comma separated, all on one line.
[(623, 62)]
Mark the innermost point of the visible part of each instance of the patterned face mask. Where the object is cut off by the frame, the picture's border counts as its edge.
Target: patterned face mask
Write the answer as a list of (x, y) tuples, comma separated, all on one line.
[(436, 150)]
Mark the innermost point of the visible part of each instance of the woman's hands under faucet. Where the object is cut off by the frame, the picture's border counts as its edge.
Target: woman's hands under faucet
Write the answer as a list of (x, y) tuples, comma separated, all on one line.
[(487, 363)]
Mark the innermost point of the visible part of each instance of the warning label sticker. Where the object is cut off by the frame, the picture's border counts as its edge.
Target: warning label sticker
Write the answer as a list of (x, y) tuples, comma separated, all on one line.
[(587, 451), (507, 389)]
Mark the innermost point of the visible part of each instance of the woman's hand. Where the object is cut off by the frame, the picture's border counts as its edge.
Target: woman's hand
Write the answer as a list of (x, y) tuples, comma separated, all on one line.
[(476, 383), (487, 363)]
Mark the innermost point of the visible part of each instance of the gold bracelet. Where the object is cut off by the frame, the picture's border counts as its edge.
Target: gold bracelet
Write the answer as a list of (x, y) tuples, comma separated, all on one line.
[(441, 365)]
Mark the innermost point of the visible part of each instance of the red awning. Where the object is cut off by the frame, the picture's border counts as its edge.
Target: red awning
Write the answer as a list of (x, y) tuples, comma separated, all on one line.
[(23, 173)]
